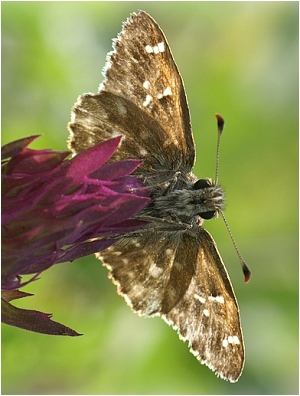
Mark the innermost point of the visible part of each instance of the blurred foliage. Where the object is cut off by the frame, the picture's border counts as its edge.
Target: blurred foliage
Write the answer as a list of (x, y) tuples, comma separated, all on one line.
[(239, 59)]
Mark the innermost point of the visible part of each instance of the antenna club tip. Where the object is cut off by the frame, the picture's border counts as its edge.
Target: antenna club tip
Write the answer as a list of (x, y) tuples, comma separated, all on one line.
[(219, 117), (221, 122), (247, 273)]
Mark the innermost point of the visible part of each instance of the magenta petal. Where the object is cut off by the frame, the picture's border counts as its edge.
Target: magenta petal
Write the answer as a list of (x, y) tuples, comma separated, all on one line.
[(36, 321), (114, 170), (35, 164), (125, 210), (14, 148), (91, 159), (85, 249), (55, 210), (128, 183)]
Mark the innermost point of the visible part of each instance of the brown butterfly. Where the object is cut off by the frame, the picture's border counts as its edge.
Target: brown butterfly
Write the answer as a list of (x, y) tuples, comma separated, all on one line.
[(172, 268)]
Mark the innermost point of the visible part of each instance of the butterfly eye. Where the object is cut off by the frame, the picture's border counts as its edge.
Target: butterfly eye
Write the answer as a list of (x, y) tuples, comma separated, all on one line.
[(201, 183), (208, 215)]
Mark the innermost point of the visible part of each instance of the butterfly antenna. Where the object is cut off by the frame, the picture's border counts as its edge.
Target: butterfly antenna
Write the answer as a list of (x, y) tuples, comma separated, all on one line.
[(245, 268), (221, 123)]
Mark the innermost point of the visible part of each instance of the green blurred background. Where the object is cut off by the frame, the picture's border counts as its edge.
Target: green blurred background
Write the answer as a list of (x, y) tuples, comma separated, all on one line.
[(239, 59)]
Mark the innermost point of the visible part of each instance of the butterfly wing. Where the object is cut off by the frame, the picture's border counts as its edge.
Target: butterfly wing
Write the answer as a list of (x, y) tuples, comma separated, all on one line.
[(141, 98), (178, 275), (181, 277)]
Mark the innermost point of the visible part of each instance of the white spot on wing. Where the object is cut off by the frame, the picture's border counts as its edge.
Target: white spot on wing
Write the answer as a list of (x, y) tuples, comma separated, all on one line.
[(161, 46), (146, 84), (154, 270), (167, 91), (206, 312), (156, 49), (147, 100), (225, 343), (230, 340), (199, 298), (149, 49), (220, 299)]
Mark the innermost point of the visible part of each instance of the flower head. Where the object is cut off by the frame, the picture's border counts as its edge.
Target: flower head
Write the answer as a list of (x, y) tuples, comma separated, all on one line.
[(56, 210)]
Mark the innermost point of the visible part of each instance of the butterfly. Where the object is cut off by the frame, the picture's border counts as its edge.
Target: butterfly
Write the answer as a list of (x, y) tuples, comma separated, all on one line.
[(172, 268)]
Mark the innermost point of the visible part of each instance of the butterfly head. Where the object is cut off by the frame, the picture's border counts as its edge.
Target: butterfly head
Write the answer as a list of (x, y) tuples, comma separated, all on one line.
[(209, 198)]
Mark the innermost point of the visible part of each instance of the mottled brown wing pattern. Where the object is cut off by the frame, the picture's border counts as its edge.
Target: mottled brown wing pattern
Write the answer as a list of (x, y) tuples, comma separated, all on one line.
[(172, 268), (148, 107), (181, 277), (103, 116), (207, 316), (147, 270)]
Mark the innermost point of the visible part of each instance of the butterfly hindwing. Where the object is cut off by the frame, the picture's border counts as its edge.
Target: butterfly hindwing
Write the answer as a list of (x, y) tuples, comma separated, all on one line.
[(179, 281)]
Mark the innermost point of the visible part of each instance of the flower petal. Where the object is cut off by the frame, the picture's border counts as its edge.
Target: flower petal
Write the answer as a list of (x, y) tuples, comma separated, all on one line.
[(91, 159), (13, 148), (114, 170), (36, 321)]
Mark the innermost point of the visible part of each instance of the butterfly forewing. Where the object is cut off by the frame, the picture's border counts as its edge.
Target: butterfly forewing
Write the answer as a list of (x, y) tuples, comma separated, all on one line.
[(172, 267), (142, 52), (141, 98), (207, 316)]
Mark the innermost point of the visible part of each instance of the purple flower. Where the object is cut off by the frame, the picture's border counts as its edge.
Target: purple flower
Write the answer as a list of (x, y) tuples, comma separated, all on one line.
[(56, 210)]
